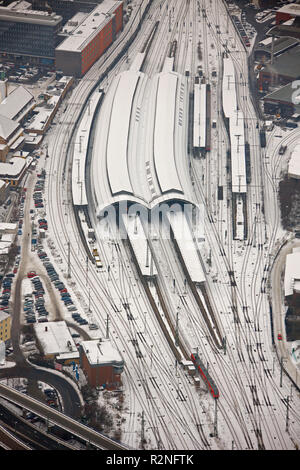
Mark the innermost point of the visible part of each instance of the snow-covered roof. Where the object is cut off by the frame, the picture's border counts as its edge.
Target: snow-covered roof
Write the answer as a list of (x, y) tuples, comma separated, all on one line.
[(202, 128), (55, 337), (164, 132), (89, 27), (117, 142), (7, 127), (13, 168), (137, 62), (143, 134), (294, 163), (228, 87), (101, 352), (17, 101), (292, 273), (139, 243), (80, 151), (186, 245), (292, 9), (238, 161), (7, 227)]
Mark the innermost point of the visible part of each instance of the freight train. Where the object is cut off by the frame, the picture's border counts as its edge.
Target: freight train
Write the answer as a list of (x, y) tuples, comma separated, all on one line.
[(213, 389)]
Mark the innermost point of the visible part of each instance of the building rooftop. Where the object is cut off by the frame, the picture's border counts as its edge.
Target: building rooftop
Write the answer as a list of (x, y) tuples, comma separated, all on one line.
[(7, 127), (287, 64), (294, 163), (292, 9), (19, 99), (101, 352), (55, 338), (292, 273), (287, 94), (22, 15), (89, 26), (13, 168), (280, 44)]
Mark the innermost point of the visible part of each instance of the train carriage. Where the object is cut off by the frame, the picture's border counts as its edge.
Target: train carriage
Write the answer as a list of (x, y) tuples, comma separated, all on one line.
[(213, 389)]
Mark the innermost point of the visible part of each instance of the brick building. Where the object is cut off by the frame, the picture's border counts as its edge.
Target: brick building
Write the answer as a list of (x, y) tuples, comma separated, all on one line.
[(101, 363)]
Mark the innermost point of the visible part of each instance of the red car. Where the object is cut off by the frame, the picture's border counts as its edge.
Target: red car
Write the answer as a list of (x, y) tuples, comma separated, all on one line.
[(279, 336), (15, 270), (31, 274)]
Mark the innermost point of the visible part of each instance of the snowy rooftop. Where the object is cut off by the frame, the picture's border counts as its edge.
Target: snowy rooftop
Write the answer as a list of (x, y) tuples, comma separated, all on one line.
[(294, 163), (56, 339), (22, 15), (101, 352), (229, 89), (13, 168), (164, 130), (143, 134), (7, 127), (139, 243), (89, 26), (186, 245), (80, 151), (16, 102), (292, 273), (238, 162), (292, 9)]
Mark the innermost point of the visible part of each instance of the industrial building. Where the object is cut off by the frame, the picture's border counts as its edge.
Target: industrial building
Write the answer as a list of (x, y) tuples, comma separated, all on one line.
[(273, 47), (284, 102), (28, 33), (292, 281), (101, 363), (294, 163), (81, 48), (55, 342), (287, 21), (284, 69)]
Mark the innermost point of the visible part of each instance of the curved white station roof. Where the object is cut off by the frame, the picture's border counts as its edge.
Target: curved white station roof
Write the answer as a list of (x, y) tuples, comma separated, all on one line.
[(140, 144), (164, 130), (117, 142)]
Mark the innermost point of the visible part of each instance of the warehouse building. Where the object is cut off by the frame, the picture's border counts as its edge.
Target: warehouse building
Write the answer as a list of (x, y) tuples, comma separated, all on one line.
[(292, 281), (90, 39), (284, 102), (56, 342), (284, 69), (28, 33), (101, 363)]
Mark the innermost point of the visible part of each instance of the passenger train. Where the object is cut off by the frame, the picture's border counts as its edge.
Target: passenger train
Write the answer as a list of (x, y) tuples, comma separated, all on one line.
[(205, 375)]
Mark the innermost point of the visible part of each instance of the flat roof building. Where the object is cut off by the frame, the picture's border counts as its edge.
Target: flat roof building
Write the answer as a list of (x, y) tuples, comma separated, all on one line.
[(27, 32), (101, 363), (285, 101), (87, 42), (56, 341), (284, 69)]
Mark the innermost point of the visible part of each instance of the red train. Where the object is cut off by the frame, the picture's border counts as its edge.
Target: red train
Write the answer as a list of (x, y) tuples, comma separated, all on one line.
[(205, 375)]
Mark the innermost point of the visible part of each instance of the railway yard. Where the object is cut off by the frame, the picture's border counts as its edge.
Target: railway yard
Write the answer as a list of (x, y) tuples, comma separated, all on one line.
[(158, 153)]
